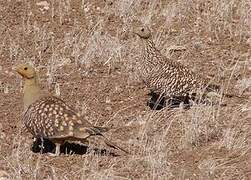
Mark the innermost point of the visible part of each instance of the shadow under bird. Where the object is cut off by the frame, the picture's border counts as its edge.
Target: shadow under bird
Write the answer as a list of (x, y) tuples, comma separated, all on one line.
[(169, 79), (46, 116)]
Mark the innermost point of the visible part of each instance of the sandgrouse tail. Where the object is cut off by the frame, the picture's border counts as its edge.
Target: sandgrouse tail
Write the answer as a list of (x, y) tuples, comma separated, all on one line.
[(168, 78), (49, 117)]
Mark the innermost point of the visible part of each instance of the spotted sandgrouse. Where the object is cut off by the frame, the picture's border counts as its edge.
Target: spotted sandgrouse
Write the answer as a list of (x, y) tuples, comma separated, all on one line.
[(49, 117), (166, 77)]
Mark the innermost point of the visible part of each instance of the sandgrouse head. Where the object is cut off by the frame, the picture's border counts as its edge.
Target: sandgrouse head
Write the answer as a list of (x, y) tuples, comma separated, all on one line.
[(26, 71), (143, 32)]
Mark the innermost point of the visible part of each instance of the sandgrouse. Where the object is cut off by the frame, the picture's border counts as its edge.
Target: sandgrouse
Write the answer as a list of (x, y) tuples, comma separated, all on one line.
[(166, 77), (49, 117)]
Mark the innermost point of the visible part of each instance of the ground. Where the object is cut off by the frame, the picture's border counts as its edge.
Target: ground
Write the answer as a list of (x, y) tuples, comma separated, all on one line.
[(87, 54)]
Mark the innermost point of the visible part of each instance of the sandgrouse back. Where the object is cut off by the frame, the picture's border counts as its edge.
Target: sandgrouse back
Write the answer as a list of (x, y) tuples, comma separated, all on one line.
[(164, 76)]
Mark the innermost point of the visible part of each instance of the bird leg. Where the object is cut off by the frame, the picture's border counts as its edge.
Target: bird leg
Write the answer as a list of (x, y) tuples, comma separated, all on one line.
[(57, 152)]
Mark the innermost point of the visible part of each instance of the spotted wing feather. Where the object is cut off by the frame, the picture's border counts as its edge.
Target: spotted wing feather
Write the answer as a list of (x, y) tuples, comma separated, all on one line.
[(52, 118)]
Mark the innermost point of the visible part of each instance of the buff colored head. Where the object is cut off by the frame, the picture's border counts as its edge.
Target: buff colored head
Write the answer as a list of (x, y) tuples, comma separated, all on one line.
[(26, 71), (143, 32)]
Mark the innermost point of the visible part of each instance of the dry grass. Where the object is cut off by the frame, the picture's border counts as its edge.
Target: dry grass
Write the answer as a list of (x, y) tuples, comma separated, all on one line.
[(87, 55)]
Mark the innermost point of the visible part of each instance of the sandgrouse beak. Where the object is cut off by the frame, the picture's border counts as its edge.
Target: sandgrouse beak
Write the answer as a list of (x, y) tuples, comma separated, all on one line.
[(14, 68), (19, 70), (135, 31)]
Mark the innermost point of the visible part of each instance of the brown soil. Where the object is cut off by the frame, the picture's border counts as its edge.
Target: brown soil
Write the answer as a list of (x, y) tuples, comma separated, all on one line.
[(88, 53)]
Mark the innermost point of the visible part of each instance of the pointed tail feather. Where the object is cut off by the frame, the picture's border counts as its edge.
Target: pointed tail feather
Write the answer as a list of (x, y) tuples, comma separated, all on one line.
[(234, 95), (101, 129), (216, 88), (111, 144)]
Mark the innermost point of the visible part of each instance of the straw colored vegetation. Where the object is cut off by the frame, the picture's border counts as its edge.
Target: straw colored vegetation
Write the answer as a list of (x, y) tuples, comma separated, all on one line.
[(87, 55)]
